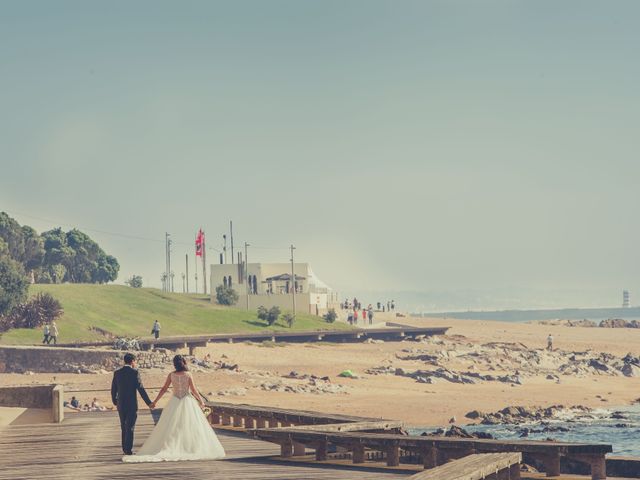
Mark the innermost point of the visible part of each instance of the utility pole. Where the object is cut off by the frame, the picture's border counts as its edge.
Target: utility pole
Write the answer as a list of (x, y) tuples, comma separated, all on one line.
[(246, 272), (186, 266), (231, 233), (169, 272), (184, 290), (195, 260), (293, 284), (166, 261), (224, 249), (204, 265)]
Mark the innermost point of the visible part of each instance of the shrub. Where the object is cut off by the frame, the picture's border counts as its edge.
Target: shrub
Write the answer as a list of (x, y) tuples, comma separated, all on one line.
[(270, 316), (13, 285), (41, 309), (135, 281), (330, 316), (288, 318), (226, 295)]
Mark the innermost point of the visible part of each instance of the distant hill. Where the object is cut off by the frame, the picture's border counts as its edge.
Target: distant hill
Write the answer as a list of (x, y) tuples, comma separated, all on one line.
[(126, 311)]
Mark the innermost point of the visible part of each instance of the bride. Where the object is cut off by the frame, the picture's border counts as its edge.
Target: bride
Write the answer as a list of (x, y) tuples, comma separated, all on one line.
[(182, 433)]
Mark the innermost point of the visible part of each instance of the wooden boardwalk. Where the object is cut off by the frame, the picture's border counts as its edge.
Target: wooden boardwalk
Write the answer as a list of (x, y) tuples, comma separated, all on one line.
[(86, 447)]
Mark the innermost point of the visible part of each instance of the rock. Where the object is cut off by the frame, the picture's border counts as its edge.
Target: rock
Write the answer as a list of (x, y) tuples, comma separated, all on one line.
[(614, 323), (474, 414), (630, 370)]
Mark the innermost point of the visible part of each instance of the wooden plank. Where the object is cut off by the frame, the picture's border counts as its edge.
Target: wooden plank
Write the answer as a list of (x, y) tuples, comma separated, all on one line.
[(473, 467), (352, 427), (86, 446)]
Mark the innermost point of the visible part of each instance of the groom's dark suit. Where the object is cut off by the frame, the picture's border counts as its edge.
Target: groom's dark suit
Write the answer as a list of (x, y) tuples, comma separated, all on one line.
[(126, 382)]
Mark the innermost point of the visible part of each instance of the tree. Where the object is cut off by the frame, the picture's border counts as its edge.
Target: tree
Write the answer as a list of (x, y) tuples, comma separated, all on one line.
[(82, 258), (135, 281), (270, 316), (23, 243), (226, 295), (13, 284), (330, 316)]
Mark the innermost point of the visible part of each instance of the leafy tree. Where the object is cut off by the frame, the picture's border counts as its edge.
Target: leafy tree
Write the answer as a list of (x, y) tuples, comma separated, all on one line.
[(82, 258), (41, 309), (23, 243), (13, 284), (135, 281), (330, 316), (226, 295)]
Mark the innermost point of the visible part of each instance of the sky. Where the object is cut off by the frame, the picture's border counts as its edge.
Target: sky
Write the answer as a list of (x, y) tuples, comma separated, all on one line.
[(464, 154)]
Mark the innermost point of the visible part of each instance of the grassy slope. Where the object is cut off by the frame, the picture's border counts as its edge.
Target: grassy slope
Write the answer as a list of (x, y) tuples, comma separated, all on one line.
[(126, 311)]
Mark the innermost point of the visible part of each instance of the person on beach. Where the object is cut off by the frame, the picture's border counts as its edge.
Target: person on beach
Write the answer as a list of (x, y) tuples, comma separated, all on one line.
[(45, 332), (355, 316), (53, 333), (364, 314), (370, 315), (550, 343), (350, 317), (156, 329)]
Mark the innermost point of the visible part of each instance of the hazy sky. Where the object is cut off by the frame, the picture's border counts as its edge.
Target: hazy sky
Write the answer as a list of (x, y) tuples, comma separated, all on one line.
[(427, 146)]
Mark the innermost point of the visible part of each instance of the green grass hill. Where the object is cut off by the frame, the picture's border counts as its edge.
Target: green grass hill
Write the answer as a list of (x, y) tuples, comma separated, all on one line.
[(130, 312)]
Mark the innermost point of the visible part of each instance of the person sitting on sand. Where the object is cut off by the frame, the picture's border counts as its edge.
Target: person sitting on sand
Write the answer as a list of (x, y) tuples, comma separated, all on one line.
[(96, 407), (74, 404)]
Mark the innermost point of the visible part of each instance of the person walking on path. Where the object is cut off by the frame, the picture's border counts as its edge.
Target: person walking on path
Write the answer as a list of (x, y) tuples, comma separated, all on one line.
[(156, 329), (550, 343), (53, 333), (125, 385), (45, 333)]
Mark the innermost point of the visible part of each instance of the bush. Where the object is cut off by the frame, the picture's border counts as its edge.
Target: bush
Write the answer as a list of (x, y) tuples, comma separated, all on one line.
[(41, 309), (288, 318), (13, 285), (270, 316), (135, 281), (226, 295), (330, 316)]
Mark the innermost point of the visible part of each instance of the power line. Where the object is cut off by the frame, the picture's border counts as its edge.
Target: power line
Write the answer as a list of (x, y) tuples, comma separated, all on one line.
[(104, 232)]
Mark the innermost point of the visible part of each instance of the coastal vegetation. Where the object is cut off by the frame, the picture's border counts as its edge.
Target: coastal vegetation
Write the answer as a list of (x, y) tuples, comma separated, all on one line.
[(95, 312)]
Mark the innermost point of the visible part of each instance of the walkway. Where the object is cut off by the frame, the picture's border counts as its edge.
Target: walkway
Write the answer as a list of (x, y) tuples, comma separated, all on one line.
[(86, 446)]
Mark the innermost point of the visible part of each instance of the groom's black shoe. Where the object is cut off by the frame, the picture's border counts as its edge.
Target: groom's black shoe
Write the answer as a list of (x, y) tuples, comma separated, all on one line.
[(128, 453)]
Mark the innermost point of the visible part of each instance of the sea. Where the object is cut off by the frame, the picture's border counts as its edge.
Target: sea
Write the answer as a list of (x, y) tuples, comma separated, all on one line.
[(622, 433)]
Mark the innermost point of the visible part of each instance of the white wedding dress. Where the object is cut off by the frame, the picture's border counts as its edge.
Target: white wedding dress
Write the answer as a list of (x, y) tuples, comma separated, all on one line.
[(182, 433)]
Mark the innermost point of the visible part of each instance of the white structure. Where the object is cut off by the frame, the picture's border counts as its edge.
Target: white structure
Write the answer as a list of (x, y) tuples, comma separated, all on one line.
[(269, 285)]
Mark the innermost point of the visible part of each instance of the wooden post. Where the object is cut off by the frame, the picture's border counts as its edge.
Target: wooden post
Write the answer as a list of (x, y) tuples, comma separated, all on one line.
[(261, 422), (249, 422), (598, 467), (358, 453), (430, 457), (393, 456), (514, 472), (192, 350), (237, 421), (298, 449), (286, 448), (226, 419), (321, 451), (552, 465)]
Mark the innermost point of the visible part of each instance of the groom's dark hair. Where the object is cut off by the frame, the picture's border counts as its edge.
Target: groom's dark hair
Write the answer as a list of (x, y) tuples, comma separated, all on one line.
[(128, 358)]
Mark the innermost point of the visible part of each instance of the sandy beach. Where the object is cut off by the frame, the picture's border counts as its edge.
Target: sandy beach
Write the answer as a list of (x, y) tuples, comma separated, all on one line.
[(262, 369)]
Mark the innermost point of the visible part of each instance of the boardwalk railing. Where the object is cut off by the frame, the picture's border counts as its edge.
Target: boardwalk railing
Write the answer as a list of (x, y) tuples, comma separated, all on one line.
[(295, 431)]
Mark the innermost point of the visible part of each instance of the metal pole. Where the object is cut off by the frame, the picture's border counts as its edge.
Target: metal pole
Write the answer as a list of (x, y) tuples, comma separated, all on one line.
[(293, 284), (246, 272), (195, 260), (186, 265), (231, 234), (166, 261), (204, 265), (184, 289), (169, 272)]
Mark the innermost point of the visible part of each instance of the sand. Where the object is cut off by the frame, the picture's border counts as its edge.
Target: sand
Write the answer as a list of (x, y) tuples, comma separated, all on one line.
[(390, 396)]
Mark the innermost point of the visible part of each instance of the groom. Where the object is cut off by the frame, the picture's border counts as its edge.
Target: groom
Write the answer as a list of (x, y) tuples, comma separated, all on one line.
[(126, 381)]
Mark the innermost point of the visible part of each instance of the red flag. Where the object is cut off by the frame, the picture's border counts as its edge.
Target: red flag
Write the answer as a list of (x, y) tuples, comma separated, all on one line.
[(199, 243)]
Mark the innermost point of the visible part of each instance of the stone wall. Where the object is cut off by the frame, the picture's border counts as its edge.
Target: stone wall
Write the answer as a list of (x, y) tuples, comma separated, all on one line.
[(19, 359), (33, 396)]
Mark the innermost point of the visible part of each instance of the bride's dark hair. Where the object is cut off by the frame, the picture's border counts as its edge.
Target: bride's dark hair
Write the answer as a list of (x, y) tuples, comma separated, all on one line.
[(180, 363)]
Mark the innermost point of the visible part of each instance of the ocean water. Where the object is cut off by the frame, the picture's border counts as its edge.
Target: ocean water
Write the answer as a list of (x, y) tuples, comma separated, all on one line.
[(598, 428)]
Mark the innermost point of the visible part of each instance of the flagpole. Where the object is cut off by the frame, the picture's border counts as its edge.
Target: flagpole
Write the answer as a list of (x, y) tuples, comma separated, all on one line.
[(204, 265)]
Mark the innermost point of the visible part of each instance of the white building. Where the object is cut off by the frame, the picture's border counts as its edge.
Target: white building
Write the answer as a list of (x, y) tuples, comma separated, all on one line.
[(269, 285)]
